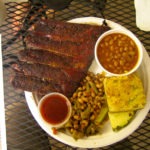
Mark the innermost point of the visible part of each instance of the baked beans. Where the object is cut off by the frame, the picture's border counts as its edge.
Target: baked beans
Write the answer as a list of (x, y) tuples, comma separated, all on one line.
[(117, 53)]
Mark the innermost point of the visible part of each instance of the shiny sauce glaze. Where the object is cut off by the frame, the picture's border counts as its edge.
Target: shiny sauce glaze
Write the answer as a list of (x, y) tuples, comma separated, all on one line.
[(54, 109), (117, 53)]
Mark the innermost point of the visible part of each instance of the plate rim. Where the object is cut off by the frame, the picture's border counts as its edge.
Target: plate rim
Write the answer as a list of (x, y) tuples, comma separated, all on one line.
[(92, 141)]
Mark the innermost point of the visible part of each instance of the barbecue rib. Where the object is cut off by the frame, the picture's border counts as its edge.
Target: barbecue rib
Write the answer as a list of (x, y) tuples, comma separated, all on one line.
[(54, 60), (58, 30), (49, 73), (57, 56), (42, 87), (69, 39), (33, 84), (66, 48)]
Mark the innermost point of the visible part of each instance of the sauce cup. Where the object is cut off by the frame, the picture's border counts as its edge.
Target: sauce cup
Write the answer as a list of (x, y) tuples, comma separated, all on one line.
[(54, 109), (118, 52)]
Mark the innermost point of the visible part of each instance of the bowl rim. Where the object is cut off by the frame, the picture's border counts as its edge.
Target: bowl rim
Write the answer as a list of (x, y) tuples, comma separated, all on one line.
[(133, 37), (69, 110)]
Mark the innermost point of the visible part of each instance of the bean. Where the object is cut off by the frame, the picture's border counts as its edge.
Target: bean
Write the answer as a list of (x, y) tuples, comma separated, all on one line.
[(76, 117), (98, 85), (118, 46), (125, 48), (80, 100), (115, 38), (74, 95), (115, 63), (82, 107), (111, 42), (132, 43), (92, 117), (108, 59), (107, 39), (76, 126), (110, 66), (121, 62), (80, 89), (88, 78), (112, 48), (86, 103), (71, 130), (106, 43), (93, 94), (85, 99), (84, 122), (121, 49), (79, 94)]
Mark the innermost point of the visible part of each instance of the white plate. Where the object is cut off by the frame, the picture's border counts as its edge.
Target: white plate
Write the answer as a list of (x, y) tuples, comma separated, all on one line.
[(107, 137)]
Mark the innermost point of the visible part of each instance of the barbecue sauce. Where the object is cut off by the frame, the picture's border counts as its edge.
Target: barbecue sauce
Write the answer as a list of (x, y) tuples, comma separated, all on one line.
[(54, 109)]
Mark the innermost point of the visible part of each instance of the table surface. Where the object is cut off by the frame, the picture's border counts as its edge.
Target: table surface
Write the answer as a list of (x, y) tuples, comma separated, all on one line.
[(22, 130)]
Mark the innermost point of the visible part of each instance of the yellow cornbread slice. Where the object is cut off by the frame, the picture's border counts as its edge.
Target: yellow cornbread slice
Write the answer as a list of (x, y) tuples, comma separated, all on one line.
[(119, 120), (125, 93)]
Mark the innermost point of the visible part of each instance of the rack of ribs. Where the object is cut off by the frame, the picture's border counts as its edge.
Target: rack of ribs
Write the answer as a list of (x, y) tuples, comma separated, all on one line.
[(57, 56)]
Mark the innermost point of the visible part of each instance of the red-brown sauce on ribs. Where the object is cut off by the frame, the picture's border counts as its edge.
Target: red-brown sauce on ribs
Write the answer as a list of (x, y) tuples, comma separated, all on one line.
[(57, 56)]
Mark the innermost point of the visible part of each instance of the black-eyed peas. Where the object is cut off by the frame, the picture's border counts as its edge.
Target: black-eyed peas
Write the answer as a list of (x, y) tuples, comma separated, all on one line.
[(87, 102)]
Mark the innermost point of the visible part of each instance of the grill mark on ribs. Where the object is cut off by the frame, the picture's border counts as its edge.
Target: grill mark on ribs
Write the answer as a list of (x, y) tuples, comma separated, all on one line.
[(54, 60)]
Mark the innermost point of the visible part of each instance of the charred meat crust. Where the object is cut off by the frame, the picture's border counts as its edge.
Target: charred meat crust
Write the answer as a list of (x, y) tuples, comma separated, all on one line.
[(54, 60), (66, 48), (58, 30), (28, 83), (47, 72), (40, 86)]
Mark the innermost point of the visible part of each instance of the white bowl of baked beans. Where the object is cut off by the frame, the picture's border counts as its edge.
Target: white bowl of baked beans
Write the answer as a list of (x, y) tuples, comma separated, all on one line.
[(118, 52)]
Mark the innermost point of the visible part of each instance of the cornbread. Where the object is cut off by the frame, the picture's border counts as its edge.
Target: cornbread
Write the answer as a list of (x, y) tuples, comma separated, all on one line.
[(119, 120), (124, 93)]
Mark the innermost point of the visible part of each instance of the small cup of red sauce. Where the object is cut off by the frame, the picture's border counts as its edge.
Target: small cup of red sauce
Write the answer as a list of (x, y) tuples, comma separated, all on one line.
[(118, 52), (55, 109)]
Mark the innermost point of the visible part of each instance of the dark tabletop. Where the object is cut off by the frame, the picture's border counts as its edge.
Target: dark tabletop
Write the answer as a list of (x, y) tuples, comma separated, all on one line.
[(23, 132)]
